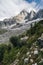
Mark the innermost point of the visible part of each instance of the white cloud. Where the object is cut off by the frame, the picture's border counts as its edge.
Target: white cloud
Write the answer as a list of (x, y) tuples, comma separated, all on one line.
[(10, 8)]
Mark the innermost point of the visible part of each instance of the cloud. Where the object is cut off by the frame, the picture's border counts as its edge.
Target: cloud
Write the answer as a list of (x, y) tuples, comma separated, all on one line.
[(40, 5), (10, 8)]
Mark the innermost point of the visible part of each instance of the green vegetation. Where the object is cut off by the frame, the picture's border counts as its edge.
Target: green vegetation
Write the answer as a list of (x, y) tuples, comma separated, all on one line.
[(40, 63), (2, 31), (18, 48)]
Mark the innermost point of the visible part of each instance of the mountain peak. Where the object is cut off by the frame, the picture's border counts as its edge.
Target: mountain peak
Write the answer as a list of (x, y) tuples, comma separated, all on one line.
[(24, 12), (32, 13), (24, 16)]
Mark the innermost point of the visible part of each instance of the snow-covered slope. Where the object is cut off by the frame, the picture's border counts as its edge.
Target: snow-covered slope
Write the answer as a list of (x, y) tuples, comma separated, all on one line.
[(32, 14)]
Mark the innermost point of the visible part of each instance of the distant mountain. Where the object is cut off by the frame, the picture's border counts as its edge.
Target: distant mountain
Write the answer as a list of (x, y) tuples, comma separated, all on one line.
[(32, 14), (23, 17), (39, 14)]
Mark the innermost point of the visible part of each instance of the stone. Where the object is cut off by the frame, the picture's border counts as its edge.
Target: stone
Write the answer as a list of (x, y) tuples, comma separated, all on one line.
[(34, 64), (30, 55), (26, 60), (41, 49), (35, 51), (27, 53), (31, 60), (24, 38)]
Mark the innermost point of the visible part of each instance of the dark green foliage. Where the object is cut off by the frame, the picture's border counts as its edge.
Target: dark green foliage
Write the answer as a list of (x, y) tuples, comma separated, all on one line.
[(40, 63), (7, 54), (9, 57), (17, 42), (2, 50), (14, 41)]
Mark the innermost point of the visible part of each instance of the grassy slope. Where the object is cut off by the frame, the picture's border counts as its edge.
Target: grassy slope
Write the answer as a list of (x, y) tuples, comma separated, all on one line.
[(2, 31)]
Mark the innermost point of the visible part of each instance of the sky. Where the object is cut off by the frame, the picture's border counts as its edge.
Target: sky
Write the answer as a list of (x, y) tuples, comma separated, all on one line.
[(9, 8)]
